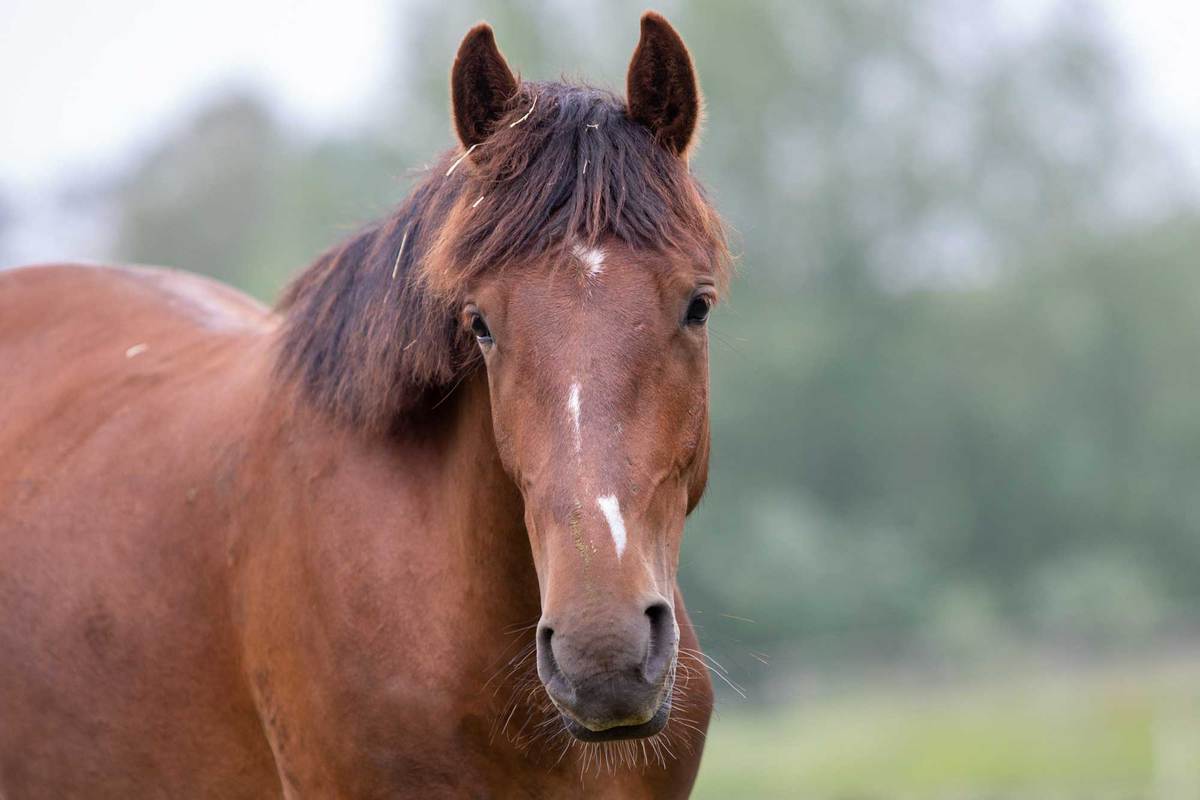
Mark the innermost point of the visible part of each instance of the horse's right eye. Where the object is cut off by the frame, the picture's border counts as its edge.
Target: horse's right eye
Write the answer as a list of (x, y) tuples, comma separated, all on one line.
[(481, 330)]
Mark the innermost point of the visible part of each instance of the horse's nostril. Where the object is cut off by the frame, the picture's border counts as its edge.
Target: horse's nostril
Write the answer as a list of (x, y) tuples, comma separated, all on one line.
[(657, 611), (662, 640), (547, 665)]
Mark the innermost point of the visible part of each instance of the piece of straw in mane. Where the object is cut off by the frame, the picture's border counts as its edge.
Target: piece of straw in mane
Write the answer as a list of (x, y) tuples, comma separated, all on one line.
[(371, 329)]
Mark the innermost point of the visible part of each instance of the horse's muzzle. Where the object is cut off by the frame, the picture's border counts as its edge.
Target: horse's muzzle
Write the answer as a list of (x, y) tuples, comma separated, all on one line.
[(611, 679)]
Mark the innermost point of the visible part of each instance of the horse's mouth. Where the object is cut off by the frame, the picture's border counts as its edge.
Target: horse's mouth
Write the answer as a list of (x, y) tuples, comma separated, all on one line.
[(646, 729)]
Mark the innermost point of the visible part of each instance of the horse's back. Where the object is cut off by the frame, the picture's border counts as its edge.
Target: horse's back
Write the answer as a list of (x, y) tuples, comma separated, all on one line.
[(80, 299), (82, 346), (120, 390), (87, 320)]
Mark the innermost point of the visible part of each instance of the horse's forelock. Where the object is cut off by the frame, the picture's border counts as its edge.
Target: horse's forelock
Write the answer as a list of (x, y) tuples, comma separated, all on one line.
[(371, 329)]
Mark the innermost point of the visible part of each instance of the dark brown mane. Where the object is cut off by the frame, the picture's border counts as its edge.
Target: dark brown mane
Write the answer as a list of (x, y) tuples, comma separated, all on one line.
[(371, 329)]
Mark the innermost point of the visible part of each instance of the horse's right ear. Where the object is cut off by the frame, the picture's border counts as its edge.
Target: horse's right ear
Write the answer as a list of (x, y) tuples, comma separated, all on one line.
[(481, 84)]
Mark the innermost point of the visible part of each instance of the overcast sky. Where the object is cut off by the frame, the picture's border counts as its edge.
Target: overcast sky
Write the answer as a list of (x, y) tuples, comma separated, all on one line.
[(84, 83)]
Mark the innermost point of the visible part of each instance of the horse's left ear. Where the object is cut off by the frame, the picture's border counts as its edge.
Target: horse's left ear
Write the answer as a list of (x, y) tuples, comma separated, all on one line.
[(481, 84), (662, 90)]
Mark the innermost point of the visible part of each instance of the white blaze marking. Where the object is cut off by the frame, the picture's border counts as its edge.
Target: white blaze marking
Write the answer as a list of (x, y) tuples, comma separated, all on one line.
[(593, 257), (616, 524), (573, 410)]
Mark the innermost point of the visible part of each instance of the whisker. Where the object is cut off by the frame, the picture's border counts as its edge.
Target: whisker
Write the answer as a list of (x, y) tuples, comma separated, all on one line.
[(716, 669)]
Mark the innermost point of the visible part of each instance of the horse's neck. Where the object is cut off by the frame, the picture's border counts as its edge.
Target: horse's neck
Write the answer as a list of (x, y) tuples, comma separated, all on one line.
[(385, 512), (487, 509)]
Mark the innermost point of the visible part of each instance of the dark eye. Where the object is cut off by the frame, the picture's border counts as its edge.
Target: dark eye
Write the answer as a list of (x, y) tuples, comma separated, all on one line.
[(697, 312), (480, 329)]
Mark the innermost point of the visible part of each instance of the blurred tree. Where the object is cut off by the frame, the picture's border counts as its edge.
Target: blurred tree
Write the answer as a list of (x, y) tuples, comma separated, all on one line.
[(233, 196), (198, 201)]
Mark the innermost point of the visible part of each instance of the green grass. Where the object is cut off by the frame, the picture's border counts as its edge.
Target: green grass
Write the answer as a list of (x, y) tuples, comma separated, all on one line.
[(1125, 732)]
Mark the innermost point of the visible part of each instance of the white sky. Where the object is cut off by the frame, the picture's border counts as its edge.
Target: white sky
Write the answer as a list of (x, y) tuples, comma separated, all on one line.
[(84, 82), (1158, 39)]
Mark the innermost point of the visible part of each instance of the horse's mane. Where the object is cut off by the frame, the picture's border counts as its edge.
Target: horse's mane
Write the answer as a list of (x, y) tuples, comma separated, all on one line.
[(371, 329)]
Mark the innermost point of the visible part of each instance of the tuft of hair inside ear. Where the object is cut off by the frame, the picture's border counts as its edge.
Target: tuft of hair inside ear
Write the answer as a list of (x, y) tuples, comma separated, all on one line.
[(661, 86), (481, 86)]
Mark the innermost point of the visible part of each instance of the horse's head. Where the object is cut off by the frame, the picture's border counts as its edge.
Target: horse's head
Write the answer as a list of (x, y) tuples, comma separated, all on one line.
[(596, 353)]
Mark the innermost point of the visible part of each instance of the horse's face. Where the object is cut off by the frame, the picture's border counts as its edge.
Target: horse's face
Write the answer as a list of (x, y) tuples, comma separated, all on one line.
[(597, 363), (598, 374)]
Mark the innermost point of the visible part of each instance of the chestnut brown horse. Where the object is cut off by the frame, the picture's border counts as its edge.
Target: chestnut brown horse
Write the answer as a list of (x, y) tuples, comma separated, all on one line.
[(413, 533)]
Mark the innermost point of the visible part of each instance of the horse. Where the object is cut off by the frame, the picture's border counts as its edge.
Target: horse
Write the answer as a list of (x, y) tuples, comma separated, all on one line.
[(412, 532)]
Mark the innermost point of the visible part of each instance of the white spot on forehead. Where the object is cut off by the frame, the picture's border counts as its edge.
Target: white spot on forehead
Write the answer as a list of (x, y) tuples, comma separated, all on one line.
[(616, 523), (591, 257), (573, 411)]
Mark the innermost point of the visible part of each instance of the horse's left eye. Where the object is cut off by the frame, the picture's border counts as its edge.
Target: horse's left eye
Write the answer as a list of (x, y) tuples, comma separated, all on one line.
[(697, 312)]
